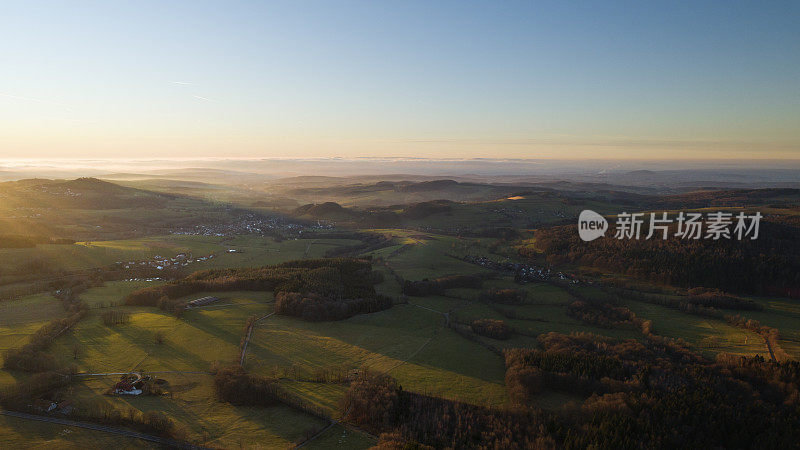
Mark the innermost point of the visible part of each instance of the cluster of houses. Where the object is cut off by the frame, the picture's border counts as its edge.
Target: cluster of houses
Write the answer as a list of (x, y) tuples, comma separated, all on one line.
[(522, 272), (159, 262), (245, 224), (57, 190)]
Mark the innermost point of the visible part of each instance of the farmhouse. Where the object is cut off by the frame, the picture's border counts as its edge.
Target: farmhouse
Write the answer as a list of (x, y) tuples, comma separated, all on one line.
[(130, 384), (126, 388)]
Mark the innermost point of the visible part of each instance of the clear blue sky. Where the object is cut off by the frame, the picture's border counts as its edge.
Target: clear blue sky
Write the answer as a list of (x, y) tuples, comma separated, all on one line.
[(635, 79)]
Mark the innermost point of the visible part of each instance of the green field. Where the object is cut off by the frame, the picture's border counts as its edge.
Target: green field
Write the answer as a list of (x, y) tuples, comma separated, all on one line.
[(22, 433), (427, 256), (192, 343), (20, 318), (409, 342), (111, 293), (204, 336), (251, 250), (704, 334), (783, 314), (194, 407)]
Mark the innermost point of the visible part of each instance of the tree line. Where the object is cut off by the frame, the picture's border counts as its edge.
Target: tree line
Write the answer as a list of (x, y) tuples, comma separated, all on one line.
[(437, 286), (770, 334), (234, 385), (314, 307), (32, 357), (492, 328), (504, 296)]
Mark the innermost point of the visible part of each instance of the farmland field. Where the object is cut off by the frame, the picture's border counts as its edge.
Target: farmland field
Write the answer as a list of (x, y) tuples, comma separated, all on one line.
[(192, 343)]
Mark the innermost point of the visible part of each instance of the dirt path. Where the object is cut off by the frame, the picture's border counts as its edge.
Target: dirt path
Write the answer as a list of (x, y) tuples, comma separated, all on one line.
[(249, 335), (769, 347)]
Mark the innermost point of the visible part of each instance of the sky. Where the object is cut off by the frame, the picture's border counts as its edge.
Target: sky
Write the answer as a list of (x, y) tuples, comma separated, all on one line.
[(428, 79)]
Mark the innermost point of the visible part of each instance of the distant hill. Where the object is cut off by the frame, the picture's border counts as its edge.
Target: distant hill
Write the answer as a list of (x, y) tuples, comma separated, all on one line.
[(737, 198), (386, 193), (425, 186), (89, 208), (81, 193), (425, 209), (327, 210)]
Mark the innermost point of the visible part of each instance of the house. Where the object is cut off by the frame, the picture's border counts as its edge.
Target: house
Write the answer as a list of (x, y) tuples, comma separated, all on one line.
[(44, 405), (130, 384), (126, 388)]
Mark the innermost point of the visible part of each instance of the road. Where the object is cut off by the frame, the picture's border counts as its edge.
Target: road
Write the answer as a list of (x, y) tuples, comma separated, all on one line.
[(95, 427), (249, 335)]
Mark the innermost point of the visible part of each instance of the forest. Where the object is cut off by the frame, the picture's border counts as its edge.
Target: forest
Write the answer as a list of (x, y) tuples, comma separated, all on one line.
[(769, 265), (656, 392), (314, 289)]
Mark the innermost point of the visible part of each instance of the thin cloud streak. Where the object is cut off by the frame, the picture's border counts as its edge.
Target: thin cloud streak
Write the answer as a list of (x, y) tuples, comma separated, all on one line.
[(34, 100)]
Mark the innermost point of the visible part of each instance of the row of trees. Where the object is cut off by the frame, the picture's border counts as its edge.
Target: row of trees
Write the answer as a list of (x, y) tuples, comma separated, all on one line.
[(606, 315), (770, 334), (504, 296), (31, 357), (405, 419), (234, 385), (492, 328), (314, 307), (115, 317), (27, 241), (437, 286), (717, 299)]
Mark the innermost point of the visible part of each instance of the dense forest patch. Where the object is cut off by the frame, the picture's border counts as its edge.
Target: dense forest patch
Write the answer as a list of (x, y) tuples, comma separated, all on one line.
[(646, 388), (767, 265), (313, 289)]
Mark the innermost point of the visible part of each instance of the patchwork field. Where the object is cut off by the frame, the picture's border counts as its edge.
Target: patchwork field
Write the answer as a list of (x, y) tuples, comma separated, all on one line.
[(424, 342), (193, 405), (409, 342), (191, 343)]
